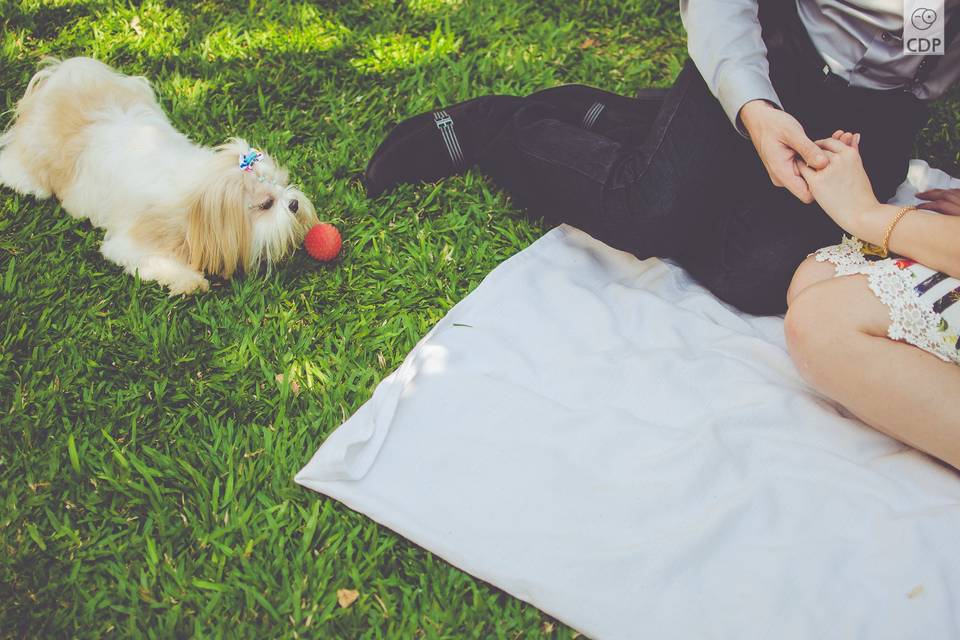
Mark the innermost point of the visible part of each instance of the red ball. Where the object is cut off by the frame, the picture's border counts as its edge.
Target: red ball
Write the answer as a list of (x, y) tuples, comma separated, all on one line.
[(323, 242)]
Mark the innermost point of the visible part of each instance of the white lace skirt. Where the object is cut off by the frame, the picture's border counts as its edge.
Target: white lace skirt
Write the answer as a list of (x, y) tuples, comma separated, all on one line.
[(922, 302)]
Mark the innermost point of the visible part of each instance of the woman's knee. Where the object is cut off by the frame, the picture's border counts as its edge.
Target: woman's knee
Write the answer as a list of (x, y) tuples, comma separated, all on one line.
[(806, 323), (826, 319), (814, 333), (809, 273)]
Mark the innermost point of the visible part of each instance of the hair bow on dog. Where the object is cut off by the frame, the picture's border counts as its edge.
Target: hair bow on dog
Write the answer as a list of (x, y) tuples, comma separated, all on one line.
[(250, 158)]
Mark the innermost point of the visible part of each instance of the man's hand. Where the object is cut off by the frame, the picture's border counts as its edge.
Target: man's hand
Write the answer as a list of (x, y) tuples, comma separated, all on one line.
[(945, 201), (779, 139)]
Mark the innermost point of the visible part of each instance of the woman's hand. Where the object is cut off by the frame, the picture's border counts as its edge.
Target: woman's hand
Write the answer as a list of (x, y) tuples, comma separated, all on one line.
[(946, 201), (842, 188)]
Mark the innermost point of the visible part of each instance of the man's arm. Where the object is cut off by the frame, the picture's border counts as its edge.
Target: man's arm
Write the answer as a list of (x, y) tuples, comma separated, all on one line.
[(725, 42)]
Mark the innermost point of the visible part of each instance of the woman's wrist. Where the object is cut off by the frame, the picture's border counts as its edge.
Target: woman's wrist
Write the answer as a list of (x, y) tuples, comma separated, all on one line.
[(869, 222)]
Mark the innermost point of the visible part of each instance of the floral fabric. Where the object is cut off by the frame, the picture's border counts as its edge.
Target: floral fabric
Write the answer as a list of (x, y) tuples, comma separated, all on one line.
[(922, 302)]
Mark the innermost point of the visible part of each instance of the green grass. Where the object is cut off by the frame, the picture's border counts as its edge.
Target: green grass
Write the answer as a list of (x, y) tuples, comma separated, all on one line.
[(147, 448)]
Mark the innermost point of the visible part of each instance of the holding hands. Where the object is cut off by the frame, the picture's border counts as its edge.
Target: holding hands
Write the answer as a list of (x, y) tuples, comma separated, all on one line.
[(781, 142), (843, 189), (795, 162)]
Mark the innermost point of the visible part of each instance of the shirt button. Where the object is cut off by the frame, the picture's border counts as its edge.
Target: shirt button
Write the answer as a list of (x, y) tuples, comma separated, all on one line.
[(885, 36)]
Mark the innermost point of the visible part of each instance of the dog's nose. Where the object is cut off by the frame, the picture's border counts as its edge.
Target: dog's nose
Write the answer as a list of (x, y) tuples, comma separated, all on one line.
[(294, 205)]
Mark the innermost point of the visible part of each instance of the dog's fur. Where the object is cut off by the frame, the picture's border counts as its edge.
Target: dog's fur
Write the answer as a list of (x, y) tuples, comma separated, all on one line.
[(172, 210)]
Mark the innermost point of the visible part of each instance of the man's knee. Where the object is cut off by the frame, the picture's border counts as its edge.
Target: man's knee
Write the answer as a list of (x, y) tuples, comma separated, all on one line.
[(756, 292), (756, 282), (758, 302)]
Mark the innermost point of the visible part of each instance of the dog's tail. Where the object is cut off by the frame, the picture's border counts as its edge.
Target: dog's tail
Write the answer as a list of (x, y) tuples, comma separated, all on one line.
[(48, 66)]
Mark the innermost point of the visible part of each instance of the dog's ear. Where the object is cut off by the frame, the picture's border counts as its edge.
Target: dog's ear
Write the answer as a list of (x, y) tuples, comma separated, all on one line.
[(218, 230)]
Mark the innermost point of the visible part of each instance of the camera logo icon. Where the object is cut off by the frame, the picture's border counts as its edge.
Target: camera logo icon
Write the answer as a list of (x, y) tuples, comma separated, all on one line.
[(923, 18), (924, 27)]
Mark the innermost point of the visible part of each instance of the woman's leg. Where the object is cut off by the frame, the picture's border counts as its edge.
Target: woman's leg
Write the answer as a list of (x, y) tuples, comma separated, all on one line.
[(837, 335), (809, 273)]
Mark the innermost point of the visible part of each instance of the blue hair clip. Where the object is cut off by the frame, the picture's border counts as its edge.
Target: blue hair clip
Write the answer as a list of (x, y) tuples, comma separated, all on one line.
[(250, 158)]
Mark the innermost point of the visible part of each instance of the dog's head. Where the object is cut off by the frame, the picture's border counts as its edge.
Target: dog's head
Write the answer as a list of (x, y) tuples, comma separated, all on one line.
[(244, 213)]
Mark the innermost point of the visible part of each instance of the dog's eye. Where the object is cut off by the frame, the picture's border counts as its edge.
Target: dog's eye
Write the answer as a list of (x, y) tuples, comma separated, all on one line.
[(267, 204)]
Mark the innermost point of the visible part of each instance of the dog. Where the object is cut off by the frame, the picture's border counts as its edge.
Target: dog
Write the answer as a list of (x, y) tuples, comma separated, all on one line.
[(173, 211)]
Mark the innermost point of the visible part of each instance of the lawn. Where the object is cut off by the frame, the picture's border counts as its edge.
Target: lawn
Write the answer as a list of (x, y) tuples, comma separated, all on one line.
[(147, 443)]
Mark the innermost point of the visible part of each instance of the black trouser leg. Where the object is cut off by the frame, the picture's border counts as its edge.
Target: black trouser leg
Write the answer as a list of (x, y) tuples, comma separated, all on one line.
[(695, 191), (651, 199), (622, 119)]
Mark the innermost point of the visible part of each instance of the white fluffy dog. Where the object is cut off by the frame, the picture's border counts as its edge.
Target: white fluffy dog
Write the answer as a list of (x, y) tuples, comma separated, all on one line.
[(172, 210)]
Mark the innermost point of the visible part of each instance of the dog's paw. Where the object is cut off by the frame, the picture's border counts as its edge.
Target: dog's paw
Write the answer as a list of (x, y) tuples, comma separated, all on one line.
[(194, 283), (14, 176)]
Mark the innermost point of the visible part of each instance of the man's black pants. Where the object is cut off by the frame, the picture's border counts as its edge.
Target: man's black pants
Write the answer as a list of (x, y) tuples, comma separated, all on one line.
[(683, 184)]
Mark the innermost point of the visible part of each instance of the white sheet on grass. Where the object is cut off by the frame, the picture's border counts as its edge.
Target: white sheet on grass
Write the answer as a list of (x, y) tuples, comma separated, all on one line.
[(599, 436)]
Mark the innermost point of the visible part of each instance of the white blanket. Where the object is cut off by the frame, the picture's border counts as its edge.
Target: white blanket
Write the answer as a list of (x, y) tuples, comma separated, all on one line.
[(599, 436)]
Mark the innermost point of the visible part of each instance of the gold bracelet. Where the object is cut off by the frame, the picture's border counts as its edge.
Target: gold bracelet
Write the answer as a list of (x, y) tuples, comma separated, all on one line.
[(893, 223)]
